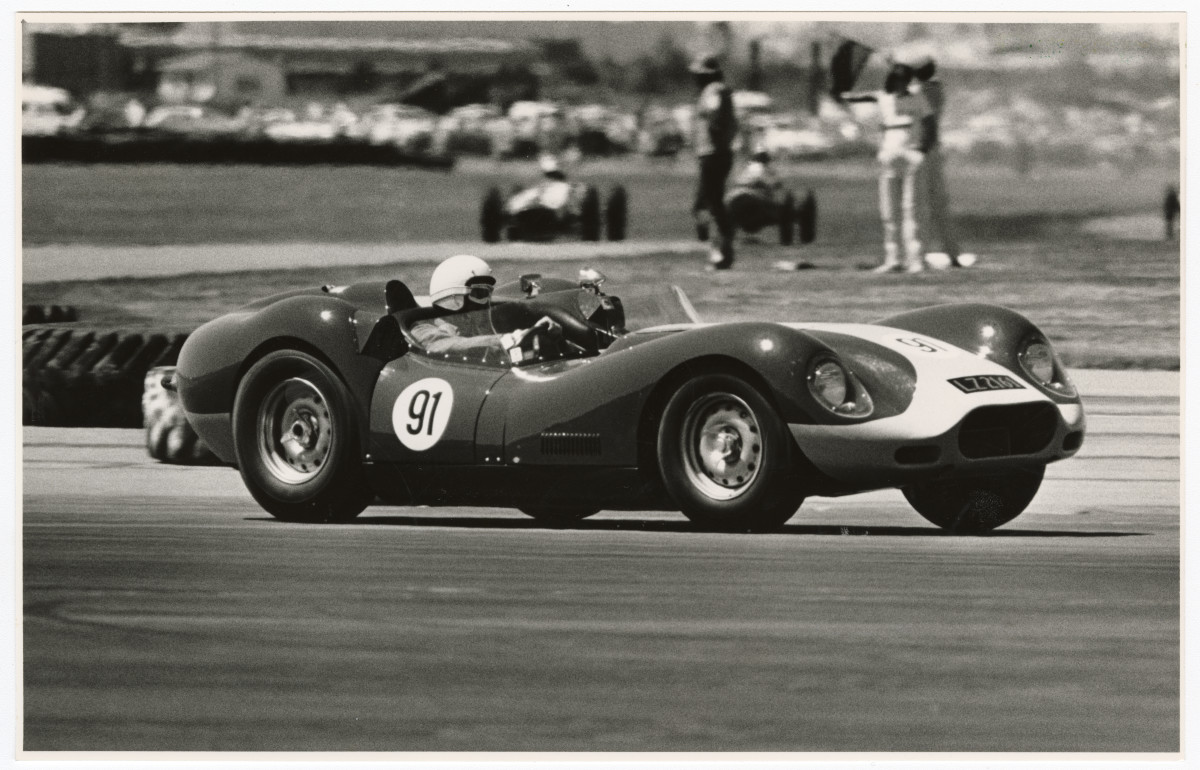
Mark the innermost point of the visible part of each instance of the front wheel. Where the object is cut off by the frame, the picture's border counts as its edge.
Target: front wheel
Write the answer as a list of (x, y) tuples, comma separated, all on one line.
[(806, 217), (589, 215), (491, 216), (976, 505), (296, 440), (726, 458), (616, 215), (787, 223)]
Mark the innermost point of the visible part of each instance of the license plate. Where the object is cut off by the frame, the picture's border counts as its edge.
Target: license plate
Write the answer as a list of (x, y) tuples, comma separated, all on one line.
[(986, 382)]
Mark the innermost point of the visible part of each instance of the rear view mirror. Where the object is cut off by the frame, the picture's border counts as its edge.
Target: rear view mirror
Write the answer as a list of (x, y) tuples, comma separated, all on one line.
[(531, 284)]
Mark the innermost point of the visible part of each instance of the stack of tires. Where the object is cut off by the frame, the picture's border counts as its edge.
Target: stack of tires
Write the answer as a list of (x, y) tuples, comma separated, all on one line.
[(48, 314), (77, 377)]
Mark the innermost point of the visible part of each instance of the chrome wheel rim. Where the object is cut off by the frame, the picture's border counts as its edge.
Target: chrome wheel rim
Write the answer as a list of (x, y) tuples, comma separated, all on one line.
[(722, 446), (295, 431)]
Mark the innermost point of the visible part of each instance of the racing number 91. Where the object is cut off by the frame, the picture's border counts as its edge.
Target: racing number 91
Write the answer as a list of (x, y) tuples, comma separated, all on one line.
[(417, 409), (421, 413)]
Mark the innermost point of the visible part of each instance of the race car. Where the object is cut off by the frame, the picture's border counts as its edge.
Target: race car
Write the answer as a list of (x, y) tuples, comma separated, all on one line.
[(551, 208), (326, 403), (756, 207)]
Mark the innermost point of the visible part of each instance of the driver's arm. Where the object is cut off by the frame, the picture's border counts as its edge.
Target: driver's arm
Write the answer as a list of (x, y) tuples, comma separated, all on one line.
[(439, 336)]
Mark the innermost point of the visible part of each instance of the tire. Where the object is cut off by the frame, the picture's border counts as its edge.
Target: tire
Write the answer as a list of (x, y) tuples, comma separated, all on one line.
[(976, 505), (762, 491), (616, 214), (491, 216), (558, 516), (806, 215), (589, 215), (787, 220), (317, 475)]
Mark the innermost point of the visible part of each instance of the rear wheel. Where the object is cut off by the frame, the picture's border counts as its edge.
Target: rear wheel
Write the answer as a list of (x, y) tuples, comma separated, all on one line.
[(726, 457), (806, 216), (589, 215), (976, 505), (491, 217), (616, 214), (296, 440), (787, 220)]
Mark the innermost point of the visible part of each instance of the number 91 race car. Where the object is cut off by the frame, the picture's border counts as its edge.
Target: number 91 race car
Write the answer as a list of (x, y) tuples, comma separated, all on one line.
[(326, 403)]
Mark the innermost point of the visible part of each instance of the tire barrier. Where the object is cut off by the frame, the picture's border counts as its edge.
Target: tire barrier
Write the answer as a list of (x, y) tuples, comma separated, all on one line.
[(150, 146), (170, 438), (48, 314), (75, 377)]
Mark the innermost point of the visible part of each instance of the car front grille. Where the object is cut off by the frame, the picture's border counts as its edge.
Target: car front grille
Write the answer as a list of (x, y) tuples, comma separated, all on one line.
[(1002, 431)]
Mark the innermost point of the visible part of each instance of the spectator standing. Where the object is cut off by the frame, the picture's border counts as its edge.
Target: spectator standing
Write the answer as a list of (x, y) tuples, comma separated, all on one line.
[(934, 200), (1170, 212), (715, 131), (906, 137)]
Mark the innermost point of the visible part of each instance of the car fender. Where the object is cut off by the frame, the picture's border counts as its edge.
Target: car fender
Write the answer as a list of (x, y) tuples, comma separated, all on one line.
[(601, 401), (215, 356)]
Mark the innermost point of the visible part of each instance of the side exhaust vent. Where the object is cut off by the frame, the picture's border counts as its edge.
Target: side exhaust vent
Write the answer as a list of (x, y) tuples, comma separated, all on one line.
[(571, 444)]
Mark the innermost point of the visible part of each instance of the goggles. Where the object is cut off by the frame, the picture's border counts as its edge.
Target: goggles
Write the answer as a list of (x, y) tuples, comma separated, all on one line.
[(480, 292)]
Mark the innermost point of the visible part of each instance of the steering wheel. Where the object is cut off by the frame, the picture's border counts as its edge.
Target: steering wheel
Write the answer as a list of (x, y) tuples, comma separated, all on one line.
[(524, 314)]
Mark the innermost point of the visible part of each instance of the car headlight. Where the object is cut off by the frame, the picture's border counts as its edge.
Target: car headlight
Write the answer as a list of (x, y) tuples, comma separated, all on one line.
[(1039, 362), (828, 383), (838, 390)]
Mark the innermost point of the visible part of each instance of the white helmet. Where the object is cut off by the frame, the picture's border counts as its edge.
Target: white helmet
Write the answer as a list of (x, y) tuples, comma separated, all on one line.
[(452, 280)]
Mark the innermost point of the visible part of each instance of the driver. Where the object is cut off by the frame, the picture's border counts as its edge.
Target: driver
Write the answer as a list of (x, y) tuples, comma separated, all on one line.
[(758, 172), (462, 284)]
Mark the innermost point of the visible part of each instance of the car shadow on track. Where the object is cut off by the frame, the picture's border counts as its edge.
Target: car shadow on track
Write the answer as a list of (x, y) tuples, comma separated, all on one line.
[(686, 527)]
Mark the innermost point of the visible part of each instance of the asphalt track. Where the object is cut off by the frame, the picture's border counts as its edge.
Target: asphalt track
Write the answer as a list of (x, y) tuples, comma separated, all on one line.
[(163, 610), (75, 262)]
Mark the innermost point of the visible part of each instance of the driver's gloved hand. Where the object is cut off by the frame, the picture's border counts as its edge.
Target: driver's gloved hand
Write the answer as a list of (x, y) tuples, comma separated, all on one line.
[(549, 326)]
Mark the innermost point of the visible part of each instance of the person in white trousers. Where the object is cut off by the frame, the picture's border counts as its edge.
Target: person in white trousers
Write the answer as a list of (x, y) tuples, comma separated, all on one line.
[(906, 136), (933, 198)]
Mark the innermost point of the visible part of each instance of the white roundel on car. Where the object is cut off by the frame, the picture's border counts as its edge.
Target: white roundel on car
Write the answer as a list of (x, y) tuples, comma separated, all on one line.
[(421, 413)]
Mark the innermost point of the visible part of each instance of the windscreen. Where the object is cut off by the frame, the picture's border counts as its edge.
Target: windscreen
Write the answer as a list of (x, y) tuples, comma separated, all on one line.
[(654, 305)]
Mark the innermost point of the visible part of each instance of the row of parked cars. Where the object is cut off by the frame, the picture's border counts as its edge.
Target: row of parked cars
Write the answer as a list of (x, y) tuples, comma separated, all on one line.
[(524, 129)]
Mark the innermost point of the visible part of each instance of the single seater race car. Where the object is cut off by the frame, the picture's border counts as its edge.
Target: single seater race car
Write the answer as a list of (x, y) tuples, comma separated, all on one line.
[(551, 208), (753, 208), (326, 402)]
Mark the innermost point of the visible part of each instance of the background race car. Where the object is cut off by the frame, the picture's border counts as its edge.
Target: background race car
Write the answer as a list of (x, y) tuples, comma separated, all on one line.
[(753, 208), (325, 401), (552, 208)]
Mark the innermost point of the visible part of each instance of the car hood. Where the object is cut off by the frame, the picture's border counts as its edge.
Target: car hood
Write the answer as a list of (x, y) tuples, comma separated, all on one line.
[(926, 354)]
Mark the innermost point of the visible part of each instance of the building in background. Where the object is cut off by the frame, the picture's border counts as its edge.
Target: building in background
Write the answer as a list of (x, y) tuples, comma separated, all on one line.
[(226, 61)]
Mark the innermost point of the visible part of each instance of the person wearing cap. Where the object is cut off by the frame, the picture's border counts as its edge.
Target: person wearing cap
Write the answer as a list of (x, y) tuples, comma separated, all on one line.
[(715, 131), (906, 138), (931, 186), (462, 285)]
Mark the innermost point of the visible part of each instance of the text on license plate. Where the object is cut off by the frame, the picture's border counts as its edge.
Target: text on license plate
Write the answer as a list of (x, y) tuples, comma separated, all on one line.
[(984, 382)]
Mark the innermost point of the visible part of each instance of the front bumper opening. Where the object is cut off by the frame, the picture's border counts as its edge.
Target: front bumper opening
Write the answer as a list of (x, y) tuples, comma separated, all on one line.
[(1003, 431)]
